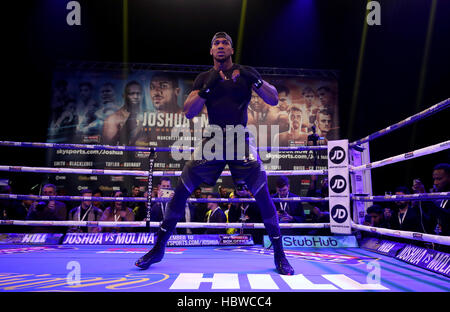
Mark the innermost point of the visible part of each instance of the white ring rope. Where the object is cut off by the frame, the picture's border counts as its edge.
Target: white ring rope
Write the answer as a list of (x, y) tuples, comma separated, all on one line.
[(409, 197), (145, 149), (402, 157), (158, 224), (140, 173), (421, 115), (156, 199), (443, 240)]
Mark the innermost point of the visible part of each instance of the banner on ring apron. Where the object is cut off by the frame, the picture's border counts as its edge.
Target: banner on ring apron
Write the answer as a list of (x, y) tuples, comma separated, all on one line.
[(149, 238), (338, 187), (315, 241), (31, 238)]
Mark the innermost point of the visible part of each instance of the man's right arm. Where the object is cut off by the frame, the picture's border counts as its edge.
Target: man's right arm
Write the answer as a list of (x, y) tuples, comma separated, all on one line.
[(193, 104), (203, 85)]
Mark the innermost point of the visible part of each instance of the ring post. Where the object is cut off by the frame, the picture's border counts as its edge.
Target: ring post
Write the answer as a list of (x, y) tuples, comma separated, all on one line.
[(338, 187), (151, 162), (361, 181)]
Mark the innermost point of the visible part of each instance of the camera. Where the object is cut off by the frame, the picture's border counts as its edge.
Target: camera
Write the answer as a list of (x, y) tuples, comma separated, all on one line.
[(40, 206), (241, 187), (166, 193)]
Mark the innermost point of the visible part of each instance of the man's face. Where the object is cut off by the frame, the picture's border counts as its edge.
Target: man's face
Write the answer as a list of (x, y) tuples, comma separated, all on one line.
[(256, 103), (118, 204), (221, 50), (198, 193), (325, 97), (401, 203), (283, 101), (135, 191), (133, 96), (86, 203), (441, 180), (308, 95), (295, 118), (324, 123), (283, 191), (107, 93), (97, 203), (49, 191), (241, 192), (85, 93), (212, 206), (163, 93), (165, 184), (223, 192), (376, 218)]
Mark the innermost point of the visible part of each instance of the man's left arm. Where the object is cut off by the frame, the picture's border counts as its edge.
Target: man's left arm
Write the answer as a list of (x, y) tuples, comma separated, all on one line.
[(264, 89), (267, 92)]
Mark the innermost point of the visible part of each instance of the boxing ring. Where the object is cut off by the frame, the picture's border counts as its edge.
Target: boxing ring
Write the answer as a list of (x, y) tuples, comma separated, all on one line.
[(88, 266)]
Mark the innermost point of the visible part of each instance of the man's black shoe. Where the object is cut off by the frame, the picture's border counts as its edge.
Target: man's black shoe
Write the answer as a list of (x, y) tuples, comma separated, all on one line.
[(153, 256)]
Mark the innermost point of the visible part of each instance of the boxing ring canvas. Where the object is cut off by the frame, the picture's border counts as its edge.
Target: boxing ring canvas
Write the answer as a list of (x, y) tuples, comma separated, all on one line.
[(90, 268)]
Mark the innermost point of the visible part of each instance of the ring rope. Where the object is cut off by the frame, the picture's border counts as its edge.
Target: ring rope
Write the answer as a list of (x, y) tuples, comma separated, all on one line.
[(402, 157), (141, 173), (409, 197), (380, 198), (443, 240), (425, 113), (155, 199), (158, 224), (141, 148)]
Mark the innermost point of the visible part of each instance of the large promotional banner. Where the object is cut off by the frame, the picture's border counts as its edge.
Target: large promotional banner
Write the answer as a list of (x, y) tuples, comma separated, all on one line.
[(144, 108)]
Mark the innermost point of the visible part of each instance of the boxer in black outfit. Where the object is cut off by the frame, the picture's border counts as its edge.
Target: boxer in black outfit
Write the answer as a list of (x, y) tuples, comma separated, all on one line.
[(226, 91)]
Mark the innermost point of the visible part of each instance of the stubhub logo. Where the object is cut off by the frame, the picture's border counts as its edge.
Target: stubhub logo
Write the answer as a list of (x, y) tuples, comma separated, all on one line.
[(312, 241)]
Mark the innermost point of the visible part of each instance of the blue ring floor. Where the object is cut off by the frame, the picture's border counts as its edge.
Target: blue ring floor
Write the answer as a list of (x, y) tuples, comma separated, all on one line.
[(110, 268)]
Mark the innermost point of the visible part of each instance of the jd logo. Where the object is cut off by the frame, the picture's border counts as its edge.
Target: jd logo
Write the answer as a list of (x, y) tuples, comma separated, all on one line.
[(337, 155), (338, 184), (339, 213)]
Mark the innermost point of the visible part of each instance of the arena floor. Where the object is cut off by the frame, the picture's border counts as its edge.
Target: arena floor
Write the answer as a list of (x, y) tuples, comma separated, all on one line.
[(58, 268)]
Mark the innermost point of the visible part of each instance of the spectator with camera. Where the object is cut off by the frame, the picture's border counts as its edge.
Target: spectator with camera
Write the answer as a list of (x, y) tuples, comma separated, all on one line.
[(86, 211), (158, 209), (48, 209), (117, 212)]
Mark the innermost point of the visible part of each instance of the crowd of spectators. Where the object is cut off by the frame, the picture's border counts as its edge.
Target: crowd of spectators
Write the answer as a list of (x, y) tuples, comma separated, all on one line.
[(92, 210), (426, 216)]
